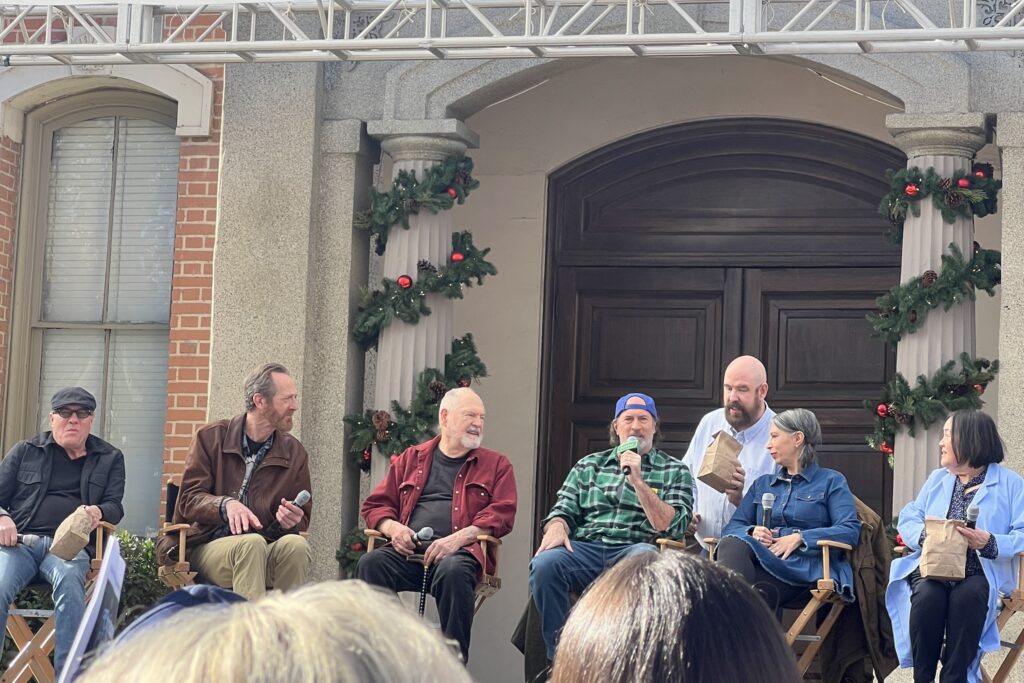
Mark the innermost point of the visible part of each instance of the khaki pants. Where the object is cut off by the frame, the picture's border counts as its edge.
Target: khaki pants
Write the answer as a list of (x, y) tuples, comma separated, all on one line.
[(249, 565)]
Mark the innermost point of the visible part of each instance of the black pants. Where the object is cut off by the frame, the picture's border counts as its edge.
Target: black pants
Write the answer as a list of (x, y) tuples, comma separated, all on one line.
[(739, 557), (452, 582), (955, 610)]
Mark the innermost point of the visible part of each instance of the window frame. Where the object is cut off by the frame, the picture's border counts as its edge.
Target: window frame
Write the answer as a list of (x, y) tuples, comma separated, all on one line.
[(24, 356)]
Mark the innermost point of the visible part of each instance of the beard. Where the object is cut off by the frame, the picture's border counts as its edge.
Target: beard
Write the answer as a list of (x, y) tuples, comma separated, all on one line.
[(746, 417), (472, 441)]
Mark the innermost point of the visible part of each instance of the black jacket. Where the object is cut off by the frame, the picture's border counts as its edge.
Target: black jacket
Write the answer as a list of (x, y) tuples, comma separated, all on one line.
[(25, 474)]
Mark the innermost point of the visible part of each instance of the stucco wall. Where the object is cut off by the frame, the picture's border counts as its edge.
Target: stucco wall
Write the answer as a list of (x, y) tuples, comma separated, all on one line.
[(522, 140)]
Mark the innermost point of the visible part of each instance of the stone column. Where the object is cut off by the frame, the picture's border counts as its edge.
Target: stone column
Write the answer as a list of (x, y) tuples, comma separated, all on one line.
[(405, 350), (947, 143), (1010, 137)]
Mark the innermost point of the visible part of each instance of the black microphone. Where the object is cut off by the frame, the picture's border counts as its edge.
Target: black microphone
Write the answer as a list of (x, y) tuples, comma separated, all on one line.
[(299, 501), (630, 444), (972, 516), (767, 501), (424, 534)]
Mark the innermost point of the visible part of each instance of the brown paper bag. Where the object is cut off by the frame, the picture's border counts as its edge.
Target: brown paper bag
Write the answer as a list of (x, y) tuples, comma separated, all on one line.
[(944, 555), (720, 461), (72, 535)]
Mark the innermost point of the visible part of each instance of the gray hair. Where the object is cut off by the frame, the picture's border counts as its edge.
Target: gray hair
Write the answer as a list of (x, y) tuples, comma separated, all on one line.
[(451, 399), (351, 640), (261, 382), (805, 422)]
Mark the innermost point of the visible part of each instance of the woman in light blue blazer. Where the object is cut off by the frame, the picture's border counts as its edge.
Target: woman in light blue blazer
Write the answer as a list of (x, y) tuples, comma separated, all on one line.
[(926, 611)]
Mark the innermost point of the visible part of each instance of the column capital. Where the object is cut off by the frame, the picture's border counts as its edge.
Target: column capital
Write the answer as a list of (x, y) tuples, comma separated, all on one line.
[(958, 135), (431, 139)]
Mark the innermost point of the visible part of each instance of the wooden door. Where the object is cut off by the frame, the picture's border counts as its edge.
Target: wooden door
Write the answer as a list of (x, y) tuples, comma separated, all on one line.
[(672, 252)]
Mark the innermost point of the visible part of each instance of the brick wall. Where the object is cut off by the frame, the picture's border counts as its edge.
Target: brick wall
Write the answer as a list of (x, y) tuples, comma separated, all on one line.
[(10, 165)]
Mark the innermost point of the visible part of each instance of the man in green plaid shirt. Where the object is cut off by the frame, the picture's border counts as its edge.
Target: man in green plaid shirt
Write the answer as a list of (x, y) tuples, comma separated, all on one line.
[(612, 504)]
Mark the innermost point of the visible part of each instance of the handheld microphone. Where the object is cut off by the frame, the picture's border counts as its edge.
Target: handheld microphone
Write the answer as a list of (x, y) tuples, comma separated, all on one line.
[(301, 499), (767, 501), (972, 516), (630, 444), (424, 534)]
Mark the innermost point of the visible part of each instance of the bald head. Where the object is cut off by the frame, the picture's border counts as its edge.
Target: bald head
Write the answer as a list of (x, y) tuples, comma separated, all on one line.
[(745, 386)]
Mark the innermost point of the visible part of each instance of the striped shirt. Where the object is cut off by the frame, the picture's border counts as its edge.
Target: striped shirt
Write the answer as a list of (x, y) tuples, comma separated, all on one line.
[(599, 504)]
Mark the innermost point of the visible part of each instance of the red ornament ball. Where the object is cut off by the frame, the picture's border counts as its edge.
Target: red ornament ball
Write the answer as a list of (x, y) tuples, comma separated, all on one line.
[(911, 190), (404, 281), (979, 388), (452, 192), (963, 183), (886, 448), (979, 174), (464, 382), (882, 410), (367, 454), (358, 547), (899, 540), (912, 316), (458, 256)]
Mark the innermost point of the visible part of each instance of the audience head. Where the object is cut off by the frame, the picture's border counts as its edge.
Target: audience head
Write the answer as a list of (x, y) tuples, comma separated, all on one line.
[(331, 632), (672, 618), (744, 388), (797, 429), (460, 416), (970, 440)]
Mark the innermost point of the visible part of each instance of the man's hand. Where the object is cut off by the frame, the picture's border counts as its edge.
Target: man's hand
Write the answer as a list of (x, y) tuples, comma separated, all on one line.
[(288, 515), (95, 515), (401, 536), (8, 532), (631, 459), (555, 535), (976, 538), (692, 528), (784, 547), (734, 492), (240, 518), (441, 548)]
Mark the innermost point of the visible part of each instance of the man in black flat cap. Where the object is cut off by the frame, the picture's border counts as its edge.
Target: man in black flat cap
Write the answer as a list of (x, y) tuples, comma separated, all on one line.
[(42, 481)]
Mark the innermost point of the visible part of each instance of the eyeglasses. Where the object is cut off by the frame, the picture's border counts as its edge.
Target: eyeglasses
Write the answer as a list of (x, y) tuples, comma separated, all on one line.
[(66, 413)]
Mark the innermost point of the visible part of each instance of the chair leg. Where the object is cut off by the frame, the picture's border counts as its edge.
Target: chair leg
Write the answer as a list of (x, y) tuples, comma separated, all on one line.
[(33, 658), (1011, 657), (826, 626), (805, 616)]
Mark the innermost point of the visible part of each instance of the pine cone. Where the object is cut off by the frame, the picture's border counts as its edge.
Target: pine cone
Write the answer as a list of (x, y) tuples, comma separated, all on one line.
[(438, 388), (928, 278), (423, 265), (382, 436), (954, 200), (902, 418), (410, 205), (946, 183), (381, 420)]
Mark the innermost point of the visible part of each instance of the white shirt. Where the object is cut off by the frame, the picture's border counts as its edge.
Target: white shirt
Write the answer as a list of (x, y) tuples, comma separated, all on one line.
[(714, 508)]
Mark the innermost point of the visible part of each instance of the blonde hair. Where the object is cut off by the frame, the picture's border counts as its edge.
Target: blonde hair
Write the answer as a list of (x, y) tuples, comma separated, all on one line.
[(331, 632)]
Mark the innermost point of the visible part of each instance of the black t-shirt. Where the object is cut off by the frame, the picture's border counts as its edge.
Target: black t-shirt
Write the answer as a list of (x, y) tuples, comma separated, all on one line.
[(63, 494), (434, 508)]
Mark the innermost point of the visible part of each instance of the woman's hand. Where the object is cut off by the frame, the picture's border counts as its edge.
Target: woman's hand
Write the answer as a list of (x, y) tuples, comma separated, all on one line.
[(784, 547), (976, 538), (763, 535)]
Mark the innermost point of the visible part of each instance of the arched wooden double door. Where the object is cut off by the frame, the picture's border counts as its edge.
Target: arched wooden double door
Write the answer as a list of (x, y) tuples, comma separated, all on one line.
[(676, 250)]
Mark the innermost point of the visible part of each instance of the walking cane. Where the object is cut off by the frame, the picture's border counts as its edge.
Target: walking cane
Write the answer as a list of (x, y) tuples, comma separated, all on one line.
[(423, 589)]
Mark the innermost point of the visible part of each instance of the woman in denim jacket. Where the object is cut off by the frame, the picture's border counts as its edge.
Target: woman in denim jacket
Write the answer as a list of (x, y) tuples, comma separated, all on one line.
[(811, 504)]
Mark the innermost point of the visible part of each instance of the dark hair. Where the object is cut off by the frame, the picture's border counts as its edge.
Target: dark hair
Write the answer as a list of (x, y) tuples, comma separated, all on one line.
[(261, 381), (613, 437), (666, 619), (976, 440)]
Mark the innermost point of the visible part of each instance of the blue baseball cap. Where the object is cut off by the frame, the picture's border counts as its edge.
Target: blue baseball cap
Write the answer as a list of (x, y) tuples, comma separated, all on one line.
[(624, 404)]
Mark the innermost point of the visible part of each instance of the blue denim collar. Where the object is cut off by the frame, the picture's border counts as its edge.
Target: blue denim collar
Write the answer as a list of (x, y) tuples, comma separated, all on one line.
[(807, 474)]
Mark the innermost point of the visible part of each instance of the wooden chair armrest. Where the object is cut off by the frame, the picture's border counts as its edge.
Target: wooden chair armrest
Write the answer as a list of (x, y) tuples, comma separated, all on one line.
[(372, 537), (670, 544), (102, 529), (901, 550), (826, 574), (168, 528), (835, 544), (495, 543), (484, 538), (712, 546)]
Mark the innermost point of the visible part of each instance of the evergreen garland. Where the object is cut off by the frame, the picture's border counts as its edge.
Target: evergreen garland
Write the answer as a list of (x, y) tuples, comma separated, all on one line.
[(966, 194), (405, 299), (393, 432), (930, 400), (904, 308), (353, 546), (442, 186)]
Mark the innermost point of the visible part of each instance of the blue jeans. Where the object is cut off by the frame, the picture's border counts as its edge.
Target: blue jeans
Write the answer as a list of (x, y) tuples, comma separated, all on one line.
[(556, 572), (30, 562)]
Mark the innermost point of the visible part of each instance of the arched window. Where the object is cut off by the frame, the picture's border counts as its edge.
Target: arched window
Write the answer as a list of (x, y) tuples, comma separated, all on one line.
[(95, 263)]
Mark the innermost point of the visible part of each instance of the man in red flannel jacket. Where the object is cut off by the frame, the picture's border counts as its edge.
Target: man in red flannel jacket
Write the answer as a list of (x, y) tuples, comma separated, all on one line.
[(458, 489)]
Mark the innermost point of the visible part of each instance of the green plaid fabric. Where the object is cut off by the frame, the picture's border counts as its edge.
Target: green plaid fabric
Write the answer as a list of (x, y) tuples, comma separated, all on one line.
[(600, 505)]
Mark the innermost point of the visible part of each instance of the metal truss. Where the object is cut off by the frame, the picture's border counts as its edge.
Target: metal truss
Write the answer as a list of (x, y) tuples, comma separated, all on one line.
[(86, 33)]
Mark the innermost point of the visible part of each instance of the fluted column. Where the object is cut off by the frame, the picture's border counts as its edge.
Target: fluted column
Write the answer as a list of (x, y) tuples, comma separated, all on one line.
[(1010, 137), (405, 350), (946, 143)]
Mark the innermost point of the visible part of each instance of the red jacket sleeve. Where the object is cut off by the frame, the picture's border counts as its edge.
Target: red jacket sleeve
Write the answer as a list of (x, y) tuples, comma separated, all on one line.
[(500, 515), (384, 502)]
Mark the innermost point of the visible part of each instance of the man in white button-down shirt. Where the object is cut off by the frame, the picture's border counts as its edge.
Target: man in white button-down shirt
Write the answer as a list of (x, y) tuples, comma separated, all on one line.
[(746, 417)]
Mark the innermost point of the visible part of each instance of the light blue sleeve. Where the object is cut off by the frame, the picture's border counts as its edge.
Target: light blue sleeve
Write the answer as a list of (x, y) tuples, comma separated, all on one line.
[(911, 518)]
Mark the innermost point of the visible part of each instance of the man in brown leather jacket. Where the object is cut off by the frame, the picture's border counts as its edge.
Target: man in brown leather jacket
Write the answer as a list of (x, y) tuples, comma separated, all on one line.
[(240, 478)]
